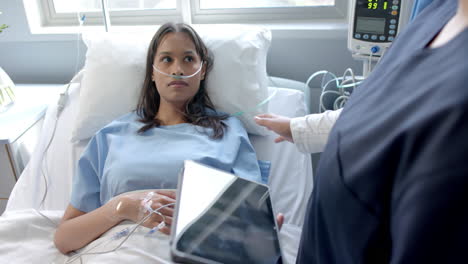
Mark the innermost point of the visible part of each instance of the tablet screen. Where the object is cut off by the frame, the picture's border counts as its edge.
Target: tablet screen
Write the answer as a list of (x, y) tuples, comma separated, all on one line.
[(223, 218)]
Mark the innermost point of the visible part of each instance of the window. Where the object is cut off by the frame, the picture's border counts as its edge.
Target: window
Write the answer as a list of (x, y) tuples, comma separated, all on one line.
[(265, 11), (122, 12), (64, 6), (216, 4), (150, 12)]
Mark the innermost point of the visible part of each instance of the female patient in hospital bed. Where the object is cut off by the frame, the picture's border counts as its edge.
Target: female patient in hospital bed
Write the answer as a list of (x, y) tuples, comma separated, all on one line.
[(145, 149)]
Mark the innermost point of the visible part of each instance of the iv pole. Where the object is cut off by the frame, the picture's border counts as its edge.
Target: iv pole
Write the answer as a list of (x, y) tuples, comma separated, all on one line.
[(105, 13)]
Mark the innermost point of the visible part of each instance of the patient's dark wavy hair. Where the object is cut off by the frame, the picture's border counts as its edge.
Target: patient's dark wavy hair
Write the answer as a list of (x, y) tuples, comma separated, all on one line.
[(196, 109)]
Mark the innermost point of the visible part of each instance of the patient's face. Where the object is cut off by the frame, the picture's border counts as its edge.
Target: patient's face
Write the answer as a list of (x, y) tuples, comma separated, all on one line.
[(177, 55)]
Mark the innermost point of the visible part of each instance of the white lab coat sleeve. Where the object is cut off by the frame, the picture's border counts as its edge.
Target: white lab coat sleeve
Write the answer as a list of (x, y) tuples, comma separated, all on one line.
[(310, 133)]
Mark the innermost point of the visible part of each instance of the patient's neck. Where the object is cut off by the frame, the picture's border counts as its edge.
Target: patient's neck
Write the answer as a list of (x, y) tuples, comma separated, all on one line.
[(170, 115), (455, 26), (463, 10)]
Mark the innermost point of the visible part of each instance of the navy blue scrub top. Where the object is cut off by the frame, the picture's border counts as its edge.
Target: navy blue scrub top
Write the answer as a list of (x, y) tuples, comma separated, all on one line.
[(392, 183)]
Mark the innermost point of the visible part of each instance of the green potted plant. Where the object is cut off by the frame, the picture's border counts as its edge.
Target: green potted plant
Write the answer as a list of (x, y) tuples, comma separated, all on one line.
[(3, 26)]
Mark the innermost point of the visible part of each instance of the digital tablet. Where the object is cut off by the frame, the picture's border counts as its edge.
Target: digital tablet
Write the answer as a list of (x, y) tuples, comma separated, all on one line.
[(221, 218)]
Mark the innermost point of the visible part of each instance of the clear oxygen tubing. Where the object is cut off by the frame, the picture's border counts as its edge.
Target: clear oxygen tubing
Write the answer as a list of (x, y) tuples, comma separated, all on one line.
[(268, 99), (179, 77), (60, 105), (126, 233), (257, 106)]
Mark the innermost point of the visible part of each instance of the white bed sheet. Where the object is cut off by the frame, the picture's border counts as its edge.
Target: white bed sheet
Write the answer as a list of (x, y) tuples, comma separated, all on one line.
[(290, 179), (27, 237), (60, 157)]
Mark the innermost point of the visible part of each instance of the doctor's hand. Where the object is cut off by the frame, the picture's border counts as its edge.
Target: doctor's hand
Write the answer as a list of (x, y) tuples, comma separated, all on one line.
[(280, 220), (132, 207), (278, 124)]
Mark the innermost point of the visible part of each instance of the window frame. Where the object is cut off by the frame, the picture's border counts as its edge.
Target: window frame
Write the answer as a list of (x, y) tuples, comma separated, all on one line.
[(269, 15), (50, 18), (189, 11)]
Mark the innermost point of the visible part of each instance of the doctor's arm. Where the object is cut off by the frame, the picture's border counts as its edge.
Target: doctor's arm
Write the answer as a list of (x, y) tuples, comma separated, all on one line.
[(309, 133)]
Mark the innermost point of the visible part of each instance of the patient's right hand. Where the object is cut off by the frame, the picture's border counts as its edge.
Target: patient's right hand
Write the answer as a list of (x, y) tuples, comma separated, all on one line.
[(131, 207)]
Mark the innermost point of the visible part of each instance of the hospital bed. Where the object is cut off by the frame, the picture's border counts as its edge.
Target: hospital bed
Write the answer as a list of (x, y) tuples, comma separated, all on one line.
[(26, 234)]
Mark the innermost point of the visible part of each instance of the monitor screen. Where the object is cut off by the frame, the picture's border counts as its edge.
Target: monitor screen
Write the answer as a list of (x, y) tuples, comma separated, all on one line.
[(370, 25)]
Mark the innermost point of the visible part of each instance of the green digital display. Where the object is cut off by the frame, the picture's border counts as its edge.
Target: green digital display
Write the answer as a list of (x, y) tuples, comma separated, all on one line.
[(377, 5)]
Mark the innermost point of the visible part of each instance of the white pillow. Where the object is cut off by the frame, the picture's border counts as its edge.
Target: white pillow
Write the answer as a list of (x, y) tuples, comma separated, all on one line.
[(115, 70), (238, 82)]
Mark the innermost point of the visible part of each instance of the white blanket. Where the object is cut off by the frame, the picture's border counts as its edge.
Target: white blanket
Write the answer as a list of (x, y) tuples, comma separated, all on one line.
[(28, 237)]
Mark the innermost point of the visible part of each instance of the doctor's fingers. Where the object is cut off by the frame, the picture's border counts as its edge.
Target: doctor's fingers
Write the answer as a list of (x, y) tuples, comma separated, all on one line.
[(279, 139), (278, 124), (266, 120), (265, 116), (280, 220)]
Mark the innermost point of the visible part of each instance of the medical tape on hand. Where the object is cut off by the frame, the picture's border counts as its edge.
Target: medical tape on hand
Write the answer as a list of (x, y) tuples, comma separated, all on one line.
[(146, 205)]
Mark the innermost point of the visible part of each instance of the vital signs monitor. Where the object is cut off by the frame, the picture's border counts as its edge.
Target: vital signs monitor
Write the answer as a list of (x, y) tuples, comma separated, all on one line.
[(374, 24)]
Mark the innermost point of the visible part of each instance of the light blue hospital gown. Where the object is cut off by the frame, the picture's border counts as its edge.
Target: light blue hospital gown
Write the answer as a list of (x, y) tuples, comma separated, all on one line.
[(119, 160)]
